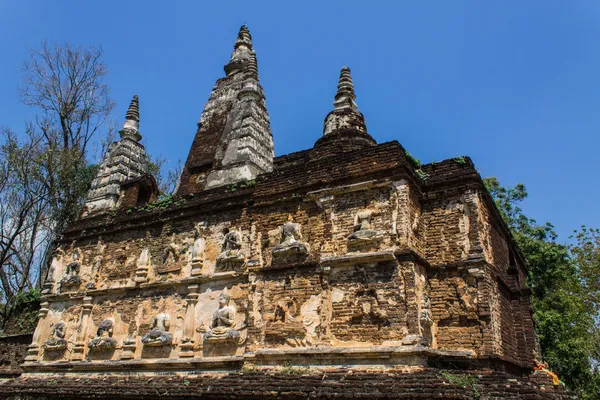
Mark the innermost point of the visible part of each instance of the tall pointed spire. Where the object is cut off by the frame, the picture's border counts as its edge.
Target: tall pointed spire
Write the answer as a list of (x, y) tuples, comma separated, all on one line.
[(233, 142), (131, 125), (344, 98), (344, 128)]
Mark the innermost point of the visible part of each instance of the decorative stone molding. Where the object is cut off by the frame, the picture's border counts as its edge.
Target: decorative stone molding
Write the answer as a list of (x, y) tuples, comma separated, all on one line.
[(79, 348), (188, 342), (143, 266), (198, 252), (34, 348)]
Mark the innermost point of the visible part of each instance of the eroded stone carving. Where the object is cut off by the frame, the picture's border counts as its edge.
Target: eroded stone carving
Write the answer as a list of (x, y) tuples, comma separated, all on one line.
[(363, 231), (57, 341), (128, 348), (103, 339), (159, 335), (231, 257), (71, 277), (223, 326), (143, 265), (198, 252), (170, 259), (54, 264), (291, 244)]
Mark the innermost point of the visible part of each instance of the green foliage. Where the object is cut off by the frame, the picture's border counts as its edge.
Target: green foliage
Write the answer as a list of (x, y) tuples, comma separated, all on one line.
[(241, 185), (421, 174), (20, 313), (461, 160), (463, 380), (565, 285), (164, 201), (414, 161)]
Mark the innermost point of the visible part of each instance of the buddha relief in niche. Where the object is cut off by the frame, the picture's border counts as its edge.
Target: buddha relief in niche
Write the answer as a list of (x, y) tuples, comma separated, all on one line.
[(291, 245), (170, 261), (159, 335), (103, 339), (231, 257), (71, 277), (57, 341), (223, 326), (363, 229)]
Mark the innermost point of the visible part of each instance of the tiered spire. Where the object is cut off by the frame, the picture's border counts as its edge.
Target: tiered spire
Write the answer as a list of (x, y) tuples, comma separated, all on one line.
[(131, 125), (125, 160), (133, 113), (344, 128), (345, 115), (344, 98)]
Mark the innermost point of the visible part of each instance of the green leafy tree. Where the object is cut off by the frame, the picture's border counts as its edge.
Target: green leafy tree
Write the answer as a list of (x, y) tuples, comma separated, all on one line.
[(560, 277)]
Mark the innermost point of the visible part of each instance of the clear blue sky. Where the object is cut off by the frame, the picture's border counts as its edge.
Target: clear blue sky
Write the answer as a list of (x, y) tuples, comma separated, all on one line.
[(515, 85)]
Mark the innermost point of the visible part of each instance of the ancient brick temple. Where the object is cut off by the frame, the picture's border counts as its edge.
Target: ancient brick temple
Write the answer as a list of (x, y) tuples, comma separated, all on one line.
[(345, 270)]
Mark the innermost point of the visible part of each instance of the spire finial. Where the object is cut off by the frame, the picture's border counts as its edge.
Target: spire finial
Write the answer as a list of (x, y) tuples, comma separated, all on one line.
[(244, 38), (242, 51), (132, 121), (133, 113), (344, 98)]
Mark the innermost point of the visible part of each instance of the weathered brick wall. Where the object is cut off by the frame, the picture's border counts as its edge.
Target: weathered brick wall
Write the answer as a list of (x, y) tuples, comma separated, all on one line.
[(454, 304), (12, 354), (429, 273)]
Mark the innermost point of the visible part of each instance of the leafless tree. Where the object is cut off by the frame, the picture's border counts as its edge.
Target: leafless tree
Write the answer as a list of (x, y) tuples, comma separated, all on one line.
[(166, 173), (67, 84)]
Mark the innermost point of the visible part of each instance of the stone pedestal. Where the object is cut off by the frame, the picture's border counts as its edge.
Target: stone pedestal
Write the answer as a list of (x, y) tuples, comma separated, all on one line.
[(128, 349)]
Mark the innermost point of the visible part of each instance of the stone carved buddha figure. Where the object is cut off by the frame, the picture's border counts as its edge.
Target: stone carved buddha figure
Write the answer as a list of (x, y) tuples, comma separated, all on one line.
[(291, 243), (103, 339), (159, 335), (223, 323), (57, 341), (72, 271), (230, 257), (363, 230)]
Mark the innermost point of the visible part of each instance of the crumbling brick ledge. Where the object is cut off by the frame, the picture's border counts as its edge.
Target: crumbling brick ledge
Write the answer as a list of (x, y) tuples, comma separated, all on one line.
[(285, 382)]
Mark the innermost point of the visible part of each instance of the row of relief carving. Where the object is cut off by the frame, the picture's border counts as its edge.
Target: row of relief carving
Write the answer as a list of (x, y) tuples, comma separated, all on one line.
[(222, 331), (232, 258)]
